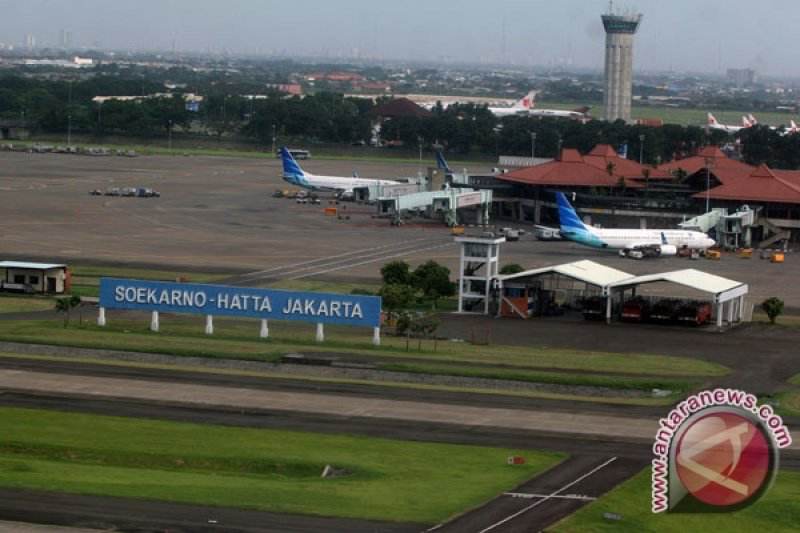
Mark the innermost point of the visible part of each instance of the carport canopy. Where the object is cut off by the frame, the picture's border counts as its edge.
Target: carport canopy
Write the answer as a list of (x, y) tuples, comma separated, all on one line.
[(722, 289), (586, 271)]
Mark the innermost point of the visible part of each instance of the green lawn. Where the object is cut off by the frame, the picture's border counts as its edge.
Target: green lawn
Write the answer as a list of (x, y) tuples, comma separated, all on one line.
[(635, 383), (86, 278), (692, 117), (238, 339), (23, 304), (776, 512), (264, 469)]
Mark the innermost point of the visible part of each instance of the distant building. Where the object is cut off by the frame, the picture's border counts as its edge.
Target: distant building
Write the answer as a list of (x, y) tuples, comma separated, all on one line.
[(742, 77), (620, 30)]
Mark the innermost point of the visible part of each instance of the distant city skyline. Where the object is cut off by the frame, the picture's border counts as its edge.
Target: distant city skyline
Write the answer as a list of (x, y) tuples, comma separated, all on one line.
[(684, 35)]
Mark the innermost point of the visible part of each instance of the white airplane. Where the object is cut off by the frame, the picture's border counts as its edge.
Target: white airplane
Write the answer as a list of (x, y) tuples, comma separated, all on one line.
[(521, 107), (295, 175), (634, 243), (750, 120), (714, 124), (580, 113)]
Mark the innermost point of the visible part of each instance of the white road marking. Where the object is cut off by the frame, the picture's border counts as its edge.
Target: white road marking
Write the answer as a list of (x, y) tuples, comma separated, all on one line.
[(323, 259), (549, 496), (373, 260), (526, 496)]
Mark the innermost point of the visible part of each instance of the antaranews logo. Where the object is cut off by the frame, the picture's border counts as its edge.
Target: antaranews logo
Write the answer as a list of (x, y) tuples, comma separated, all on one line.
[(716, 451)]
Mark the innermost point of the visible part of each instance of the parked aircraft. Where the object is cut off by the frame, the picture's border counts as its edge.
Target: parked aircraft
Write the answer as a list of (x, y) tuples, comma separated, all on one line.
[(521, 107), (580, 113), (634, 243), (714, 124), (295, 175)]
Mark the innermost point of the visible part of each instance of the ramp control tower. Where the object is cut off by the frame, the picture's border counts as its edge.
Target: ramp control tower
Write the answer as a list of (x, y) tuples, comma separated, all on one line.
[(620, 29)]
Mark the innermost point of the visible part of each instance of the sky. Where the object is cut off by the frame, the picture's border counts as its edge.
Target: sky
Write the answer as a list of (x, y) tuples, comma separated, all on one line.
[(683, 35)]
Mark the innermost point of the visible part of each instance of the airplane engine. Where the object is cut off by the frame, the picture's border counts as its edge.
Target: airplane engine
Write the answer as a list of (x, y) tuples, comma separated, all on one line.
[(668, 249)]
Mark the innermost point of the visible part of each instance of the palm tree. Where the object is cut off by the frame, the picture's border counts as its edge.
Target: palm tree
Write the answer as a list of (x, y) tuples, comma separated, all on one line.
[(66, 304)]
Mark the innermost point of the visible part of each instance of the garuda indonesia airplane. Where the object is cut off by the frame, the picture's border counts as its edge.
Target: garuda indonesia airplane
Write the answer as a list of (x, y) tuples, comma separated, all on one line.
[(650, 242), (295, 175)]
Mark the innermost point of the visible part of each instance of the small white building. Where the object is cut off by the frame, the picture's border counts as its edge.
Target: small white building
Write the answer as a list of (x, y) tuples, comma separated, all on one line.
[(42, 278)]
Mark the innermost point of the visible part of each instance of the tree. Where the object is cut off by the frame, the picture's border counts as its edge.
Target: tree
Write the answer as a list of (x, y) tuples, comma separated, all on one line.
[(773, 307), (511, 268), (66, 304), (396, 297), (423, 327), (396, 273), (433, 280)]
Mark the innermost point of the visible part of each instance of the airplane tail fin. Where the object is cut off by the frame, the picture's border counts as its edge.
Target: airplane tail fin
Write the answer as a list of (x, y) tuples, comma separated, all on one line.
[(753, 120), (712, 121), (792, 125), (291, 170), (527, 102), (746, 122), (441, 162), (568, 219)]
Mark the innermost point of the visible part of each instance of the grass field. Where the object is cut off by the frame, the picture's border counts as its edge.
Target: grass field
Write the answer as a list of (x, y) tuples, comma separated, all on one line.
[(24, 304), (629, 379), (238, 339), (86, 278), (776, 512), (264, 469), (685, 117)]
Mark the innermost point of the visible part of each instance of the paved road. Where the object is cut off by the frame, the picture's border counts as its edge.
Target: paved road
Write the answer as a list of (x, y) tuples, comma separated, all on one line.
[(549, 497), (343, 261), (122, 514)]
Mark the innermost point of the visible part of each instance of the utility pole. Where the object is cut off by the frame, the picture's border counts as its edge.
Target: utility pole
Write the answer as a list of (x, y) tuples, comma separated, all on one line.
[(69, 113), (641, 149), (274, 140), (709, 162), (533, 147), (169, 134)]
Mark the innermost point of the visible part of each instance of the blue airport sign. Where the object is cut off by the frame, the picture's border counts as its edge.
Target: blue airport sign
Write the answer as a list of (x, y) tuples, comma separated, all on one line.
[(218, 300)]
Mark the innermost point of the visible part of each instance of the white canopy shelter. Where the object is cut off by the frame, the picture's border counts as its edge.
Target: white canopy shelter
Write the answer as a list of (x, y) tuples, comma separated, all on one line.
[(726, 293)]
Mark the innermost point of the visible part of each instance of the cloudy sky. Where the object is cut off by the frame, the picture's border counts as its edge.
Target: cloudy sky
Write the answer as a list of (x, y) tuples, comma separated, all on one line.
[(693, 35)]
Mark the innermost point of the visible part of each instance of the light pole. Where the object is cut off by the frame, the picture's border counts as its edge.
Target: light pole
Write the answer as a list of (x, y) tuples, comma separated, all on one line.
[(558, 152), (274, 140), (641, 149), (533, 147), (709, 163), (169, 134), (69, 114)]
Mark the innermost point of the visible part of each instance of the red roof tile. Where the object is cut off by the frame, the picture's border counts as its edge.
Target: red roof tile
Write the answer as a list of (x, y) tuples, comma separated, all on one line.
[(571, 170), (762, 185), (400, 107), (723, 167), (603, 154)]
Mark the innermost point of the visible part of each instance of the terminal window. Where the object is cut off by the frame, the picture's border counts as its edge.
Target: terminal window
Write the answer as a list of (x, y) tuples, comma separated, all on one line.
[(19, 279), (33, 280)]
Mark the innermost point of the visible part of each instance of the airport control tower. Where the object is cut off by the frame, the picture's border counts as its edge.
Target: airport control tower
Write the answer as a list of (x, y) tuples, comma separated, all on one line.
[(620, 29)]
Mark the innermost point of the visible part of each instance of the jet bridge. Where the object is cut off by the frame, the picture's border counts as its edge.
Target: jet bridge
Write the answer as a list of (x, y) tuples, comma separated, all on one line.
[(446, 203)]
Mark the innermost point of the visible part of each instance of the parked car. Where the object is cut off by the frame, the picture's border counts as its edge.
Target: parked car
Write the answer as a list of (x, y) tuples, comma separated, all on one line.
[(144, 192), (113, 191)]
